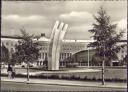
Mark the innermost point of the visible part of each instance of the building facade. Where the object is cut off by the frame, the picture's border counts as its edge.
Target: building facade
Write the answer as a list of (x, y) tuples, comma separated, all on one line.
[(68, 50)]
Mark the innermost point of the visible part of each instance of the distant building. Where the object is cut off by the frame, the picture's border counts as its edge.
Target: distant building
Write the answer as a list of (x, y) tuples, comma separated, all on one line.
[(123, 52), (9, 42), (71, 50)]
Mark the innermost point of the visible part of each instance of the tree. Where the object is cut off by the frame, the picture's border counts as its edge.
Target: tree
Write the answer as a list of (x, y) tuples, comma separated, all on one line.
[(106, 38), (4, 54), (27, 50)]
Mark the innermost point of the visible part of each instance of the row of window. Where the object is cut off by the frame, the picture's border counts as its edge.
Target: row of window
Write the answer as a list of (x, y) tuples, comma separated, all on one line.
[(79, 64), (65, 48), (62, 55), (43, 55), (73, 48), (9, 43), (44, 48)]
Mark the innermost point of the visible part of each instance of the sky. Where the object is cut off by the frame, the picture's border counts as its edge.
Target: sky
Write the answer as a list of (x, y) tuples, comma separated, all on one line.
[(40, 16)]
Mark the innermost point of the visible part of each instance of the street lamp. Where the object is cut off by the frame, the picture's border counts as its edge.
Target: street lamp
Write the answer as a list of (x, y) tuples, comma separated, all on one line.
[(88, 57), (127, 44)]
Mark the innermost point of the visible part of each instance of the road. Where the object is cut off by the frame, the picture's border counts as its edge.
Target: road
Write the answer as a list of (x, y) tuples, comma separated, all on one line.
[(11, 86)]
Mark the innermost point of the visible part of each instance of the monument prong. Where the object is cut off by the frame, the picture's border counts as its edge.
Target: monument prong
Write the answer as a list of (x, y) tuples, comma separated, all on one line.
[(54, 28), (65, 27), (61, 36), (61, 26), (50, 57)]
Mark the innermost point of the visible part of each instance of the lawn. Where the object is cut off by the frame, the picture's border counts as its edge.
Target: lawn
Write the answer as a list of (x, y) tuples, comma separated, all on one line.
[(110, 73)]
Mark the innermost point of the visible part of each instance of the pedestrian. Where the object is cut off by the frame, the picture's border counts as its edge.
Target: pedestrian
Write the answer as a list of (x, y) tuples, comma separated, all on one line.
[(9, 70), (13, 72)]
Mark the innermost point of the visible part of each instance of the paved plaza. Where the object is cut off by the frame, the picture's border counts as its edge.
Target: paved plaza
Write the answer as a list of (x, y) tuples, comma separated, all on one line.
[(66, 82)]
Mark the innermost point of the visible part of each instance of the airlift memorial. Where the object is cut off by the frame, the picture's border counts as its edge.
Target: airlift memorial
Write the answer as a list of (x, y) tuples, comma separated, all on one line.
[(57, 36)]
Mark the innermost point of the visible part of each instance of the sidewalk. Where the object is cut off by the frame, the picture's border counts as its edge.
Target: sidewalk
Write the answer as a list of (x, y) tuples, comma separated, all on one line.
[(66, 82)]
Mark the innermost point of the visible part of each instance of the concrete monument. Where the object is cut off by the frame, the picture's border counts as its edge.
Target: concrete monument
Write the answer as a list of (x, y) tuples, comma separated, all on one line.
[(57, 36)]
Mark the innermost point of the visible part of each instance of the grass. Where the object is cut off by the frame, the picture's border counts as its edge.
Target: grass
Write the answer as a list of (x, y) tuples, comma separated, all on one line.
[(69, 78), (111, 75)]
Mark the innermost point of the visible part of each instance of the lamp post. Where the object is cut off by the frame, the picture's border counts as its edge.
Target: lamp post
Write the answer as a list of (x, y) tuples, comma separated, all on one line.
[(88, 57), (127, 45)]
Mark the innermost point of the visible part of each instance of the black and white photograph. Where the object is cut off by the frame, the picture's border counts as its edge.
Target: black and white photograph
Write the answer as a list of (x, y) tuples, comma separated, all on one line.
[(64, 46)]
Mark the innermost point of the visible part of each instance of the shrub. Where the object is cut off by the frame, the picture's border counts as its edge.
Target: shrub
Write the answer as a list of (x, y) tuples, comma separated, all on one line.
[(65, 77), (72, 77), (42, 76), (20, 75), (72, 65), (99, 79), (109, 80), (75, 78), (93, 79), (85, 78), (54, 77)]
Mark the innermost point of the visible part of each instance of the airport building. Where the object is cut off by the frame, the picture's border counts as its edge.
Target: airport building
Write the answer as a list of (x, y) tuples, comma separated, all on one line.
[(71, 50)]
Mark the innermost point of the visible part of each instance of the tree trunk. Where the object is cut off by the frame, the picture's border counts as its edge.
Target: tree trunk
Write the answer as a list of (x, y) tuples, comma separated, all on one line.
[(103, 81), (27, 71)]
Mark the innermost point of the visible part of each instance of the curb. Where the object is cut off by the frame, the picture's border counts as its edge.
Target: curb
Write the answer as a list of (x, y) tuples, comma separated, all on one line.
[(64, 84)]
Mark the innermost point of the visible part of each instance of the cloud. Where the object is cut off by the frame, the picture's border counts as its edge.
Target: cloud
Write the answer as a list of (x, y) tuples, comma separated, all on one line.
[(75, 14), (76, 17), (79, 24), (78, 32), (122, 26), (38, 18), (33, 21), (19, 18)]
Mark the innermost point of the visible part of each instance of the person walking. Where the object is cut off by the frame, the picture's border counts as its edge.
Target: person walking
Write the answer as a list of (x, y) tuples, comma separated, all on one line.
[(13, 72), (9, 70)]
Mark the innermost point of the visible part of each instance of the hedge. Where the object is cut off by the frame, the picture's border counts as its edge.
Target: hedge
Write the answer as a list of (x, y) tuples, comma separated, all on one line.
[(53, 76)]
